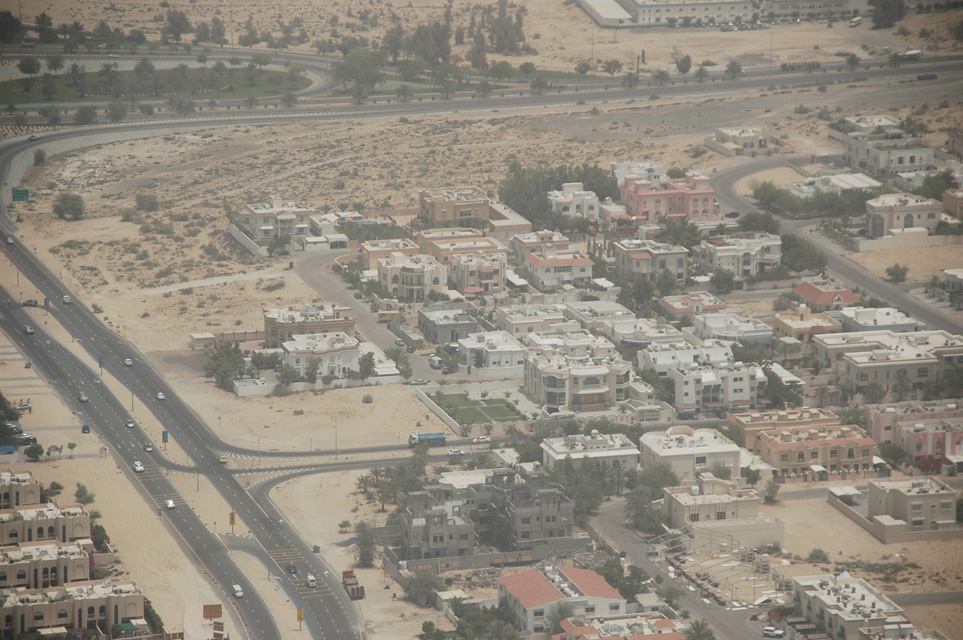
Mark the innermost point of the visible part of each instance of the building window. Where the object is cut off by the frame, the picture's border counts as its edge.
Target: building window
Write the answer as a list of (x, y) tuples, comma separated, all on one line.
[(590, 608), (538, 613), (614, 606), (922, 372)]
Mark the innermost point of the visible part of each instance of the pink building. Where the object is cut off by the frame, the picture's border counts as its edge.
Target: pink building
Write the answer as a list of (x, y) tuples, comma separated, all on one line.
[(931, 429), (692, 198)]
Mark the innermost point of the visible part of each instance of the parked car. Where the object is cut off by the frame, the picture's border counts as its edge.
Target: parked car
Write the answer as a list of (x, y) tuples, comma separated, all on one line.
[(83, 397), (33, 136), (358, 295), (481, 440), (30, 303), (138, 467), (26, 439), (773, 632), (399, 342), (85, 429), (418, 381), (24, 406)]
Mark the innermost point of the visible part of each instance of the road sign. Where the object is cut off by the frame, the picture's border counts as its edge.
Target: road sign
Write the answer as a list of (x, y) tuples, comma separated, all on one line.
[(300, 614), (233, 518), (164, 437), (21, 195)]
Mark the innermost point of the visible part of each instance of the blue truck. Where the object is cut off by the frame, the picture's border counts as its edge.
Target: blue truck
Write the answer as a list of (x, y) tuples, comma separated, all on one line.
[(431, 439)]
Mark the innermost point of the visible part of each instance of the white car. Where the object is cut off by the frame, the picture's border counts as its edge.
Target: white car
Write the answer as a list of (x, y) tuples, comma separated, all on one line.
[(129, 423), (456, 452), (160, 395), (169, 504), (138, 467), (148, 447), (128, 362), (773, 632), (481, 440)]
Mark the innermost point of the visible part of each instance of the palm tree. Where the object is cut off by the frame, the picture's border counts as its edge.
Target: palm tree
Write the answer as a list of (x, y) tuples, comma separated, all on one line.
[(822, 393), (403, 92), (701, 74), (733, 69), (660, 77), (901, 386), (699, 630)]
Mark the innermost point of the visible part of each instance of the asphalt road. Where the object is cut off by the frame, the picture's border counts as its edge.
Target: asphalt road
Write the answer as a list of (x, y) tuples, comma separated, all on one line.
[(724, 182), (728, 625)]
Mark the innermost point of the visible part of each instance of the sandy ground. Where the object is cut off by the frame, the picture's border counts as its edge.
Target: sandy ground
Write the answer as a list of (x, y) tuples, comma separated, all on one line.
[(923, 262), (562, 33), (941, 564)]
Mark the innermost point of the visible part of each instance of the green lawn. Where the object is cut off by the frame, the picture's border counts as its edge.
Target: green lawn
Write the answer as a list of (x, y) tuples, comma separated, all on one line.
[(467, 411), (11, 91)]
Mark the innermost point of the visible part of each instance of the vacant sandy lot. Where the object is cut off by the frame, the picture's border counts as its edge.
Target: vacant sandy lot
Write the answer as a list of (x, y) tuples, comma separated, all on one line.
[(923, 262)]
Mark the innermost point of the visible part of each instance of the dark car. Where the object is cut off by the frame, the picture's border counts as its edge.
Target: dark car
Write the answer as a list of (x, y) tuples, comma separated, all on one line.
[(26, 438), (85, 429), (31, 303), (291, 568)]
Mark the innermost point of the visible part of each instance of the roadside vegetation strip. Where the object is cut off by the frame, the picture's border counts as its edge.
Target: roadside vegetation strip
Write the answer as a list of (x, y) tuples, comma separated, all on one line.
[(266, 83)]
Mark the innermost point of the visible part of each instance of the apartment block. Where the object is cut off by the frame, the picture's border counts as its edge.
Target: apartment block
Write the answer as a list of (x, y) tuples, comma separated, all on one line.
[(923, 430), (426, 236), (527, 318), (873, 318), (444, 323), (797, 450), (42, 565), (679, 355), (80, 606), (610, 450), (554, 268), (504, 223), (436, 524), (444, 250), (689, 452), (691, 303), (901, 211), (375, 250), (718, 388), (276, 218), (651, 171), (18, 489), (335, 354), (691, 198), (883, 155), (576, 381), (37, 522), (729, 325), (574, 200), (412, 278), (840, 183), (751, 425), (899, 362), (839, 606), (566, 342), (803, 324), (592, 314), (492, 354), (638, 260), (526, 243), (463, 206), (532, 595), (479, 274), (283, 324), (744, 254), (640, 332)]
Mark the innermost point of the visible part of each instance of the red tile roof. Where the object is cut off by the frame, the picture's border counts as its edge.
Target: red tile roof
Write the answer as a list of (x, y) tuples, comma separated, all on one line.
[(531, 588), (591, 583), (642, 255), (824, 297)]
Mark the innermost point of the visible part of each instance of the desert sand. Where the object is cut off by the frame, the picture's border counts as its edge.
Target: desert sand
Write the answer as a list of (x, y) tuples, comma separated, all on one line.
[(923, 262)]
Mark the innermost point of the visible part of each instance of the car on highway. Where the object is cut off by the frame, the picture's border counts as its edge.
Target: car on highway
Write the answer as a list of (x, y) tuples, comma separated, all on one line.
[(418, 381), (28, 330), (112, 55), (456, 452), (160, 395), (30, 303), (169, 504), (9, 240), (85, 429), (222, 459), (291, 568), (148, 447), (83, 397), (128, 362), (773, 632), (33, 136), (129, 423), (481, 440), (138, 467)]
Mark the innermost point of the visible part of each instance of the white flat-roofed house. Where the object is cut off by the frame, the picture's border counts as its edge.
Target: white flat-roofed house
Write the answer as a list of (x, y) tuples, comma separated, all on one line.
[(492, 354), (610, 450), (412, 278), (528, 318), (901, 211), (640, 332), (576, 381), (591, 314), (744, 254), (273, 219), (665, 356), (334, 353), (729, 325), (720, 388), (526, 243), (689, 452), (637, 260), (574, 200), (873, 318)]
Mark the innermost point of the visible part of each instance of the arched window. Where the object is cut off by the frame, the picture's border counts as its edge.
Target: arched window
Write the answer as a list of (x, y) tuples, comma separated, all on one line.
[(850, 453), (102, 612), (435, 281), (51, 532), (394, 279), (592, 380), (90, 611)]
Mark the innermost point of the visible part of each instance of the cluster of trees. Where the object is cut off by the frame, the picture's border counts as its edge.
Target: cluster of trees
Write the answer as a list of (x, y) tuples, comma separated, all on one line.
[(489, 622), (800, 254), (390, 485), (886, 13), (524, 189), (822, 203)]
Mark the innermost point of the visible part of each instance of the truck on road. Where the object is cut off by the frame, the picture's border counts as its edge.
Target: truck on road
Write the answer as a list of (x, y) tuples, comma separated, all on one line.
[(350, 582), (431, 439)]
